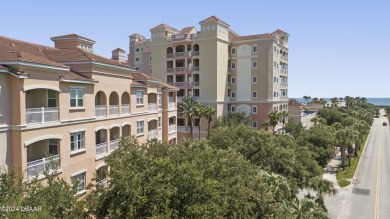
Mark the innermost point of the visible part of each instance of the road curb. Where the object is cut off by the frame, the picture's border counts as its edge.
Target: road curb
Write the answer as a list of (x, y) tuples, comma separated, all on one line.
[(361, 155)]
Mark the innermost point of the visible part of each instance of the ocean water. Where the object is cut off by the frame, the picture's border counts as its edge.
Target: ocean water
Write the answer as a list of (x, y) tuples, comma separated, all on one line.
[(375, 101)]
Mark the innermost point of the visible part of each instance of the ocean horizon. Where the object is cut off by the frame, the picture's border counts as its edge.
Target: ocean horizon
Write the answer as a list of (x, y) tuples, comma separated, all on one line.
[(376, 101)]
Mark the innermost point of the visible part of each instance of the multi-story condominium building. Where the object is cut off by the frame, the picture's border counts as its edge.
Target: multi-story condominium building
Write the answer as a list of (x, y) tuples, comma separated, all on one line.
[(218, 66), (68, 106)]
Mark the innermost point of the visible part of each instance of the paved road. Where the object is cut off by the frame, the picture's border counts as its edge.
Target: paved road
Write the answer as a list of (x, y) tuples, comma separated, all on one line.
[(369, 196)]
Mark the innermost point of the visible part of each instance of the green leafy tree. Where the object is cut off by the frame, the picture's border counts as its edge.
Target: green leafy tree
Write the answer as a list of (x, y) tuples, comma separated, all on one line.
[(232, 119), (322, 187), (273, 119), (186, 108), (294, 128), (283, 118), (209, 114), (362, 128), (345, 139)]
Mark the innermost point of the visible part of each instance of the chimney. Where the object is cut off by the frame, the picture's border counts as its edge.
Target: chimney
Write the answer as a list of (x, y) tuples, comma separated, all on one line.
[(119, 55), (73, 41)]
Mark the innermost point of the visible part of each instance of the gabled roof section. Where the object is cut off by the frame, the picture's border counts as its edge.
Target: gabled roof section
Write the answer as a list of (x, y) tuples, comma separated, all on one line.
[(187, 30), (71, 36), (13, 45), (213, 19), (163, 27), (279, 31), (233, 33), (72, 75), (294, 102), (137, 35), (251, 37), (118, 50)]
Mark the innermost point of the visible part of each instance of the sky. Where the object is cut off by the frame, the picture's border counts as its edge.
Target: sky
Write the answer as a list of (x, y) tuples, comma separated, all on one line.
[(336, 47)]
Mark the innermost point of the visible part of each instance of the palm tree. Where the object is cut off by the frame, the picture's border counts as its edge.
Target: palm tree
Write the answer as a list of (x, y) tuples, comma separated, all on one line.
[(322, 101), (273, 119), (315, 100), (199, 112), (322, 187), (345, 139), (283, 115), (334, 101), (266, 125), (340, 100), (306, 98), (362, 128), (186, 108), (209, 113)]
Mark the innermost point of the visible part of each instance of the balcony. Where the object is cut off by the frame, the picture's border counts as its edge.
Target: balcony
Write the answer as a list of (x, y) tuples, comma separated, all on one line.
[(125, 109), (40, 166), (172, 128), (172, 106), (182, 69), (41, 115), (170, 55), (283, 84), (114, 145), (195, 68), (152, 107), (101, 149), (100, 111), (195, 53), (114, 110), (179, 54), (169, 70), (152, 134)]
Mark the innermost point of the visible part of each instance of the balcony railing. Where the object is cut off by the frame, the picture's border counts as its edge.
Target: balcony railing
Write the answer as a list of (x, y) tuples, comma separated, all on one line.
[(283, 84), (152, 134), (101, 149), (41, 115), (169, 70), (152, 107), (114, 109), (195, 53), (195, 83), (100, 110), (125, 109), (172, 128), (37, 167), (172, 105), (170, 55), (195, 68), (178, 54), (114, 144), (182, 69)]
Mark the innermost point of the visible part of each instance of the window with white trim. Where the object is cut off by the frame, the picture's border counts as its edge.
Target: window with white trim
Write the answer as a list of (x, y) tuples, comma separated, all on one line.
[(274, 64), (77, 141), (233, 80), (233, 95), (140, 127), (136, 49), (137, 59), (233, 51), (254, 124), (79, 181), (275, 49), (254, 109), (254, 94), (254, 49), (140, 97), (233, 109), (254, 64), (233, 65), (150, 70), (150, 58), (76, 97), (51, 98), (254, 79)]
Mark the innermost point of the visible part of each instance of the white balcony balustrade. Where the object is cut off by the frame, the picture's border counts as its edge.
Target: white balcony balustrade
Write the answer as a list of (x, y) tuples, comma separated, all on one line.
[(41, 115), (172, 106), (114, 144), (152, 134), (152, 107), (125, 109), (100, 110), (172, 128), (101, 149), (114, 109), (195, 53), (40, 166), (195, 68)]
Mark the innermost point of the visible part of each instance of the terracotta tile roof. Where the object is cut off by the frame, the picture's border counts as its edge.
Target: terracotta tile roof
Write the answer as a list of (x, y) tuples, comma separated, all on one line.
[(187, 30), (137, 35), (118, 50), (212, 19), (13, 45), (14, 71), (313, 106), (233, 33), (279, 31), (136, 83), (294, 107), (165, 26), (294, 102), (251, 37), (3, 67), (73, 35), (79, 55), (71, 75), (28, 57), (146, 80)]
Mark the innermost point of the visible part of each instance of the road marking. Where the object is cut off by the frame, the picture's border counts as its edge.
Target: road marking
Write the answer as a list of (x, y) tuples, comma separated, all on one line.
[(376, 214)]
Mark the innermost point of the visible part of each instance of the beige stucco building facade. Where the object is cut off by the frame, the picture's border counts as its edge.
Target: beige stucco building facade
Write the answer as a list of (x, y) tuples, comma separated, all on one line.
[(68, 106), (218, 67)]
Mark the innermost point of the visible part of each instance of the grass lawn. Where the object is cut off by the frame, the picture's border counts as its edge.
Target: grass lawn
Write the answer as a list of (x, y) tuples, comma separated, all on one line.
[(344, 175)]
